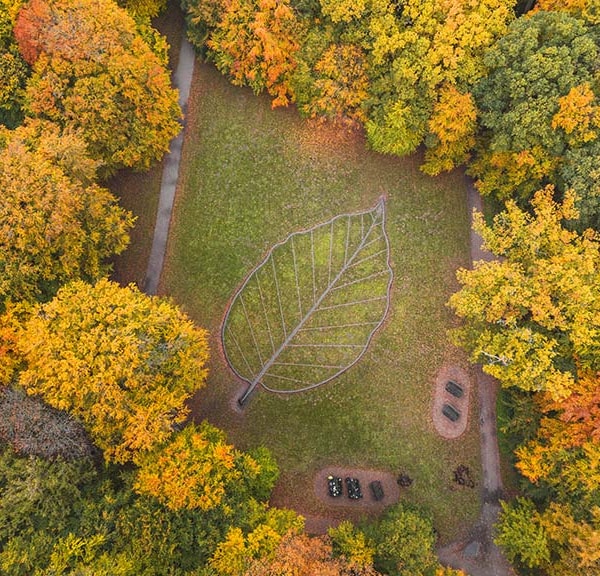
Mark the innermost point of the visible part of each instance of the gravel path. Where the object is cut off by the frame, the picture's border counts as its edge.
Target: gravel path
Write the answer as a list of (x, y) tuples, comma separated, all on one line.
[(478, 555), (182, 79)]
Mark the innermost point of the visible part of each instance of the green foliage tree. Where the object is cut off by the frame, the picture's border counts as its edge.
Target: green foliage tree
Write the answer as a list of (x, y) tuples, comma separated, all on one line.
[(121, 362), (522, 534), (13, 69), (56, 224), (532, 315), (37, 498), (538, 108), (404, 541), (92, 71)]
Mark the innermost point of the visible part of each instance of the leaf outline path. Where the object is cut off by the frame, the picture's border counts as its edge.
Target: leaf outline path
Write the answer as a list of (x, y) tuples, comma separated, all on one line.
[(378, 220)]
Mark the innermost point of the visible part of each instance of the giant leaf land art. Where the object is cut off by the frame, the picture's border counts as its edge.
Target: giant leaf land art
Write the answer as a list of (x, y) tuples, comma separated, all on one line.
[(309, 310)]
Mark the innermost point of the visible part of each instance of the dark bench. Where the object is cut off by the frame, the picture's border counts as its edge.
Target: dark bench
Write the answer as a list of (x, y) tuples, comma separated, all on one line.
[(377, 490), (450, 412), (454, 389)]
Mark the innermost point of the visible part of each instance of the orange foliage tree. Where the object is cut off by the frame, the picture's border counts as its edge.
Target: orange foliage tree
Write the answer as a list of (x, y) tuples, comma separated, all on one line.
[(301, 555), (92, 71), (254, 42), (198, 469)]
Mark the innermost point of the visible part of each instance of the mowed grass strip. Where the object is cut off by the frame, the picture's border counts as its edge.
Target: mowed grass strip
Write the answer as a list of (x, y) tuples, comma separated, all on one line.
[(250, 177)]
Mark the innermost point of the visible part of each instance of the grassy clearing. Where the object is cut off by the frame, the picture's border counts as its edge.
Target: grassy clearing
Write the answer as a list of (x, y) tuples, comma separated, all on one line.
[(252, 176)]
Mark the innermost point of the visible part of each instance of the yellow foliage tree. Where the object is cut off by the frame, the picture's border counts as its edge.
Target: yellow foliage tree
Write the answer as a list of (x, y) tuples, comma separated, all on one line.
[(578, 115), (121, 362), (56, 225), (452, 127), (534, 312)]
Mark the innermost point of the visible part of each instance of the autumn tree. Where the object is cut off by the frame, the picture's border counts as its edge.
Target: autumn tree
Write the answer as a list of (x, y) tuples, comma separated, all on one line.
[(352, 543), (587, 9), (301, 555), (426, 58), (254, 43), (56, 224), (121, 362), (199, 469), (13, 69), (532, 316), (340, 85), (564, 455), (538, 108), (143, 8), (93, 72), (552, 539), (404, 541)]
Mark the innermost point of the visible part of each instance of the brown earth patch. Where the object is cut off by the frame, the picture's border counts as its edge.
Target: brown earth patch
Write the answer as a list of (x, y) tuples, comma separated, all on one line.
[(445, 427), (322, 137), (322, 511), (391, 490)]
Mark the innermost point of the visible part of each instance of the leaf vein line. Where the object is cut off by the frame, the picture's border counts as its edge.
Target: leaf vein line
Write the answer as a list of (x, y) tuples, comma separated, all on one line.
[(262, 302), (278, 297), (307, 365), (333, 326), (312, 256), (251, 330), (241, 351), (367, 258), (351, 303), (363, 279), (326, 345), (296, 277)]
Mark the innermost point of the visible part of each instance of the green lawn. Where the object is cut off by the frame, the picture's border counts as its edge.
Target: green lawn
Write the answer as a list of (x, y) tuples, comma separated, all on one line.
[(251, 176)]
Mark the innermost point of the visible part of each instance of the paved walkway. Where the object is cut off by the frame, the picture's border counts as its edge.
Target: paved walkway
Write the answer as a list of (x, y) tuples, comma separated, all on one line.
[(478, 555), (182, 79)]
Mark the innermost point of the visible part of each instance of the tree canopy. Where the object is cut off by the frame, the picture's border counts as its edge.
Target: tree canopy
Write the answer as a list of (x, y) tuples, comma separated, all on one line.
[(121, 362), (56, 224), (532, 316), (539, 110), (92, 71)]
